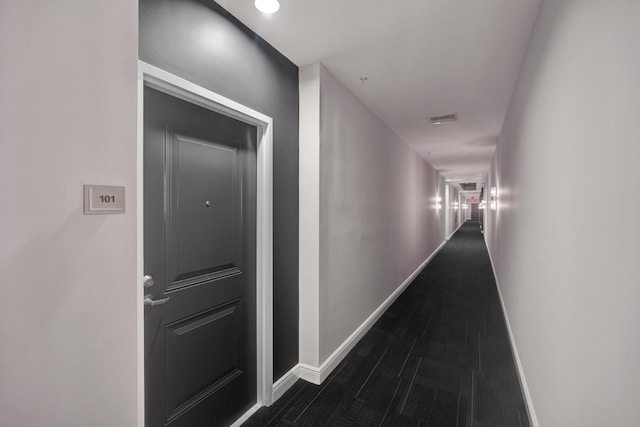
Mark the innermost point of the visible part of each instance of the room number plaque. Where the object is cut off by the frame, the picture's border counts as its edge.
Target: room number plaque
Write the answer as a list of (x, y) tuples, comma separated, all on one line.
[(103, 199)]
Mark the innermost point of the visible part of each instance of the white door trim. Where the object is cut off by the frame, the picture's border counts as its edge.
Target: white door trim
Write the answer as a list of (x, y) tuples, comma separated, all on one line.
[(154, 77)]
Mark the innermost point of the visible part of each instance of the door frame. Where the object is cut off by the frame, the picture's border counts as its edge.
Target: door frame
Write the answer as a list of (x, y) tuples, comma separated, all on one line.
[(163, 81)]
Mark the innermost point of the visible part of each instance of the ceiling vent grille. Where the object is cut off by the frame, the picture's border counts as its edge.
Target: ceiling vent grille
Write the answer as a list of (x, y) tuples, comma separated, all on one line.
[(436, 120), (469, 186)]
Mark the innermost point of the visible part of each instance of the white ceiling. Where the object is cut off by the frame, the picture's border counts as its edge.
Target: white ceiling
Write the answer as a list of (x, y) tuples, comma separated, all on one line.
[(422, 58)]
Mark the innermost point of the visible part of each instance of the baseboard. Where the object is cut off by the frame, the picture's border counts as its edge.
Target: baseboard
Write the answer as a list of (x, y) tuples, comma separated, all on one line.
[(309, 373), (246, 415), (285, 382), (533, 420), (454, 231), (317, 375)]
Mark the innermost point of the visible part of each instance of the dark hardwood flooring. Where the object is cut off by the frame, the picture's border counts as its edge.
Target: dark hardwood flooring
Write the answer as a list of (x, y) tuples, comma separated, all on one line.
[(439, 356)]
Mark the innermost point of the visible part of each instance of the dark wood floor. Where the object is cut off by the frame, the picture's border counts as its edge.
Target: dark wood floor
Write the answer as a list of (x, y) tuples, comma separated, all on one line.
[(440, 356)]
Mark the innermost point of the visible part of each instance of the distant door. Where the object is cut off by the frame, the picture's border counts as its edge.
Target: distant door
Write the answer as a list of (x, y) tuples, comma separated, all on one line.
[(475, 216), (199, 250)]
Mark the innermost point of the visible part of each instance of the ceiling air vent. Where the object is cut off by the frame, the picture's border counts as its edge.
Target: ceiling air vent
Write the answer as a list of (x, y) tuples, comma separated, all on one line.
[(436, 120), (468, 186)]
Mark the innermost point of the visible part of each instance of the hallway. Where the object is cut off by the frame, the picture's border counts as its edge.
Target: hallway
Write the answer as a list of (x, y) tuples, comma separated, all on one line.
[(440, 356)]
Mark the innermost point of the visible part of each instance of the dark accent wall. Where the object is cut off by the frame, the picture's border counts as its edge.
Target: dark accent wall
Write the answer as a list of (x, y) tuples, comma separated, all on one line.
[(201, 42)]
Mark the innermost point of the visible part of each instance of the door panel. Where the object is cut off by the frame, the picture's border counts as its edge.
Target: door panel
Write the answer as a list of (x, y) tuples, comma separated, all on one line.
[(204, 220), (199, 237), (202, 352), (474, 212)]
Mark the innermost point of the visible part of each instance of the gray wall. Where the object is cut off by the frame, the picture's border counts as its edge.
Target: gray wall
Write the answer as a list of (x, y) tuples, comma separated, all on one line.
[(453, 214), (68, 100), (378, 220), (570, 281), (201, 42)]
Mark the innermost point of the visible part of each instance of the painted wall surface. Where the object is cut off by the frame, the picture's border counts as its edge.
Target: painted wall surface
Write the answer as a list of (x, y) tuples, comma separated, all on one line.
[(68, 307), (309, 214), (378, 220), (199, 41), (453, 214), (570, 281)]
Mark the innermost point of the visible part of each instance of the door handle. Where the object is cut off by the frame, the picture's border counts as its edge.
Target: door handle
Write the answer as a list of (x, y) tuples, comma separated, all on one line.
[(150, 302)]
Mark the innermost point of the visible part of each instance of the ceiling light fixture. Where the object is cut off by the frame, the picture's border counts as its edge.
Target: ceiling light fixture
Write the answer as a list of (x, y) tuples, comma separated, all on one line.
[(438, 120), (267, 6)]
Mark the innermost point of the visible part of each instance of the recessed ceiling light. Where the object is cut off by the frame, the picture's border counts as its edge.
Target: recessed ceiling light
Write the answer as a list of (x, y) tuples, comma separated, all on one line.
[(267, 6)]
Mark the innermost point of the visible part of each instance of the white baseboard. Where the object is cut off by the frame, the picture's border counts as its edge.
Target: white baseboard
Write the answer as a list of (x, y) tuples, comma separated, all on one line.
[(533, 420), (454, 231), (246, 415), (310, 374), (317, 375), (285, 382)]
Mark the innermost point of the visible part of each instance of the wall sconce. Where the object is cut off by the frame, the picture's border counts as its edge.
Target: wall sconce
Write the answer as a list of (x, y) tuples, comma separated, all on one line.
[(465, 206), (267, 6), (481, 205), (455, 206), (493, 203), (438, 202)]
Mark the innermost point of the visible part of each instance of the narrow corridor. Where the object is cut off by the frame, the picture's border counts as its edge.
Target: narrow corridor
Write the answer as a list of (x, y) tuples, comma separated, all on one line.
[(440, 356)]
